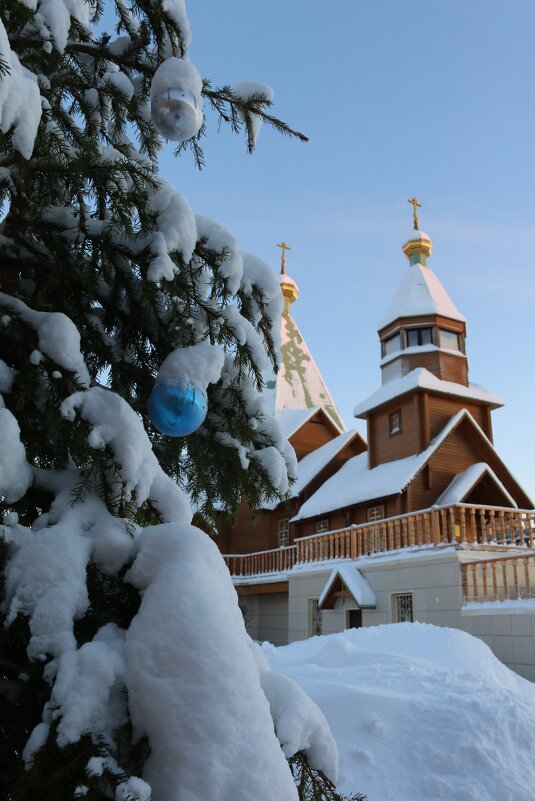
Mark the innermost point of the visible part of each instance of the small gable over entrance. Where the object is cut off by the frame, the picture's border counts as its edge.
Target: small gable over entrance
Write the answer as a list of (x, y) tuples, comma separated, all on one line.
[(345, 581), (477, 484)]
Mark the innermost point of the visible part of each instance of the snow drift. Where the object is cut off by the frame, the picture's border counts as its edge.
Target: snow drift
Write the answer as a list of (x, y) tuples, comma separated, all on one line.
[(419, 713)]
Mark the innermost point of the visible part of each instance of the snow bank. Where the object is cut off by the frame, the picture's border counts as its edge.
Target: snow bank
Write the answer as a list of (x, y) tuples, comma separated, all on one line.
[(419, 713)]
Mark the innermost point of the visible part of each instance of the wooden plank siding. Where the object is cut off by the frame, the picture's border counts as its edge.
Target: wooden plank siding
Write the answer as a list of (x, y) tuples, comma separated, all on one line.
[(442, 409), (351, 515), (386, 447), (262, 589), (423, 416), (446, 366), (259, 532), (313, 434)]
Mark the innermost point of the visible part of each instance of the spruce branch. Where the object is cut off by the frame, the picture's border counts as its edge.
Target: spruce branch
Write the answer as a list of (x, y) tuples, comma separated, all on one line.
[(313, 785)]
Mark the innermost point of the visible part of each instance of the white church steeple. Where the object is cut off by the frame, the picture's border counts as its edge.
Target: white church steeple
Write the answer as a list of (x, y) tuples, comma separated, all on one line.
[(299, 383)]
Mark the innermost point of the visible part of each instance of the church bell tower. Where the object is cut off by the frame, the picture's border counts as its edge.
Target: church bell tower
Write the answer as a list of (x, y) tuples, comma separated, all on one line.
[(424, 366)]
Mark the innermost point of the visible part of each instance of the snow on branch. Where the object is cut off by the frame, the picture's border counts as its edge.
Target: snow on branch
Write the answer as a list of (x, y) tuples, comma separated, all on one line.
[(20, 100), (115, 424), (58, 337)]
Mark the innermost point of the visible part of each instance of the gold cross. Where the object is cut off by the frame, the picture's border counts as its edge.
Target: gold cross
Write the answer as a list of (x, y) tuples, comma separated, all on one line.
[(284, 247), (415, 206)]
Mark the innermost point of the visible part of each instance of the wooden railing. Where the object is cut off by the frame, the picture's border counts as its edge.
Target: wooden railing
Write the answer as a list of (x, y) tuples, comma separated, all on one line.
[(420, 528), (506, 578), (460, 524), (252, 564), (489, 526)]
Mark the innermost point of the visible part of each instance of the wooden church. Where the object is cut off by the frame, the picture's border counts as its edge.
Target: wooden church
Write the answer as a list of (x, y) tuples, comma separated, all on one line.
[(422, 522)]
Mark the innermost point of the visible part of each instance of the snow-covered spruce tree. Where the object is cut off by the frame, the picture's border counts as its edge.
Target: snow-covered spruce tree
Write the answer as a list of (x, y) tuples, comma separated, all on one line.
[(125, 670)]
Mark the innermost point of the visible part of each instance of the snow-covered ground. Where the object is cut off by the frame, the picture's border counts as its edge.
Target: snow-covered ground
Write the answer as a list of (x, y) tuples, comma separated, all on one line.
[(419, 713)]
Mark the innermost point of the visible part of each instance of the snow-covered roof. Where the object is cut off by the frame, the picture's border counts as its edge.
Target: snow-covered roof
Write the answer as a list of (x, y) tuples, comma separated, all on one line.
[(299, 383), (355, 583), (420, 378), (419, 294), (419, 349), (464, 482), (356, 483), (291, 420), (313, 463)]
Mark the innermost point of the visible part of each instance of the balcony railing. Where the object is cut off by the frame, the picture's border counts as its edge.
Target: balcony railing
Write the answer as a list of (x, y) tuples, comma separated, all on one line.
[(262, 562), (463, 524), (506, 578)]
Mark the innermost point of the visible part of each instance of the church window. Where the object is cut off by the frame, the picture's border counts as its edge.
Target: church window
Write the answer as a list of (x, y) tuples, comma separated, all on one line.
[(314, 617), (283, 530), (419, 336), (448, 339), (392, 344), (395, 422), (376, 513), (322, 525), (402, 607)]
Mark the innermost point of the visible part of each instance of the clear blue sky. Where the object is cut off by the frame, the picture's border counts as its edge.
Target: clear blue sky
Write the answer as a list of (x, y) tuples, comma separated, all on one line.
[(426, 98)]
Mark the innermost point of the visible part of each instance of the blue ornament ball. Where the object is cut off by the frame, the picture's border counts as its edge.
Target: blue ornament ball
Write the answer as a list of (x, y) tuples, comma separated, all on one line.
[(177, 410)]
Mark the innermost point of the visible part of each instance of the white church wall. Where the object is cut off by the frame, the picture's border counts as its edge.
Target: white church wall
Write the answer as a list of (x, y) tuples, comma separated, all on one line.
[(511, 637), (433, 581), (304, 588), (266, 617)]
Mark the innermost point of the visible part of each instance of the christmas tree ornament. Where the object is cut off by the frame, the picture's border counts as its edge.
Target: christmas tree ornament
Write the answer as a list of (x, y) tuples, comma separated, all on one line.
[(178, 409), (176, 100)]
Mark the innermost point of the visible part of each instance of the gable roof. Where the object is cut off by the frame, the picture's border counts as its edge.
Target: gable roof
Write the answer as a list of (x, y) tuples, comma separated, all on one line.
[(420, 294), (355, 483), (421, 378), (464, 483), (291, 420), (355, 582), (313, 463)]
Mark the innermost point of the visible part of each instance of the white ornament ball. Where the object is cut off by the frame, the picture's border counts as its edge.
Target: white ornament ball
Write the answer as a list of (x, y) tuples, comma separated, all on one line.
[(176, 100)]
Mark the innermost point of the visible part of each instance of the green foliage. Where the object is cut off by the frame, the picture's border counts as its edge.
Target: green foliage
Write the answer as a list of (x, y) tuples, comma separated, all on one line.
[(56, 772), (313, 785), (89, 258), (77, 221)]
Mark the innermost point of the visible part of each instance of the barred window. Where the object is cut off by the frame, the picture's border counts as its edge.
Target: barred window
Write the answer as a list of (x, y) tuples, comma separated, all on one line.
[(402, 607)]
